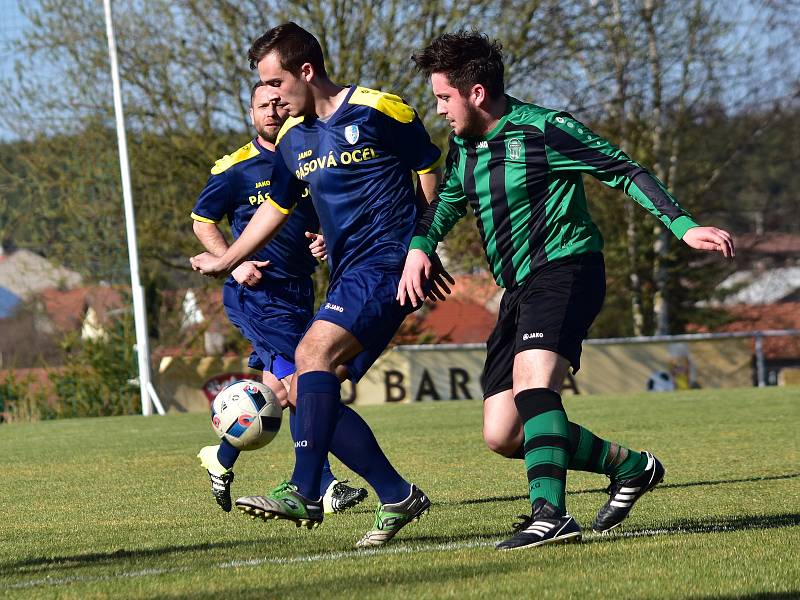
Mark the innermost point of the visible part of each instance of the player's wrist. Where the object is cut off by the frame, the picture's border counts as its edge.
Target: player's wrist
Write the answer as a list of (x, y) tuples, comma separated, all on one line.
[(681, 225), (419, 242)]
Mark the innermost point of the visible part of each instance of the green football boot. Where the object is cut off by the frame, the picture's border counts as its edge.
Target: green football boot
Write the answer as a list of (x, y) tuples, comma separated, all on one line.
[(284, 502), (391, 518)]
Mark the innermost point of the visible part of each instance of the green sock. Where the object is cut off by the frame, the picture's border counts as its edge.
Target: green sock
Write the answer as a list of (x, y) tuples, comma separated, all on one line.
[(547, 446), (596, 455)]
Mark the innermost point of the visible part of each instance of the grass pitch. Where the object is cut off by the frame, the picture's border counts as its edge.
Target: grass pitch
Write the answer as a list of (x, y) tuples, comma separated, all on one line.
[(119, 507)]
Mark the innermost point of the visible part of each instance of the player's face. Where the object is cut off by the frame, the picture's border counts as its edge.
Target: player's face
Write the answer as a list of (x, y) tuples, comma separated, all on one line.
[(284, 88), (267, 117), (460, 113)]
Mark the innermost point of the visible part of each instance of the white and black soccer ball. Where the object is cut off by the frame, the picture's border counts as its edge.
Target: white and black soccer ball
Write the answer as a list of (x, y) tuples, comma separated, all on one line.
[(660, 381), (246, 414)]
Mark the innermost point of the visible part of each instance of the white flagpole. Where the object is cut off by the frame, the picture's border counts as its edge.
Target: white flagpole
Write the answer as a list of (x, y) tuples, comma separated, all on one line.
[(146, 388)]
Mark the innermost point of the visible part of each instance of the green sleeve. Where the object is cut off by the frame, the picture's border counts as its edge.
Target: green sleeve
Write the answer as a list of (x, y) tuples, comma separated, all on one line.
[(573, 147), (446, 209)]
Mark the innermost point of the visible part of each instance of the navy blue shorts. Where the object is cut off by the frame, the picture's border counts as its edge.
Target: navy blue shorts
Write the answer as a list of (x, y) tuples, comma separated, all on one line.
[(273, 317), (362, 301)]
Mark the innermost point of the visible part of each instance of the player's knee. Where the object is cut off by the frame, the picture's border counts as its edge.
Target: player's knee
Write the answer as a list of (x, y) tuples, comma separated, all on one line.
[(500, 443), (312, 357)]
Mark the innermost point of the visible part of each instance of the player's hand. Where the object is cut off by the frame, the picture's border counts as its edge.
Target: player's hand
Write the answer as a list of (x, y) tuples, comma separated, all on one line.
[(208, 264), (439, 279), (416, 272), (317, 245), (249, 272), (710, 238)]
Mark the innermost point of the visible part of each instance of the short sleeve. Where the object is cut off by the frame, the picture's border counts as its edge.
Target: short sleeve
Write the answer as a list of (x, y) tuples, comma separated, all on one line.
[(214, 201), (411, 143)]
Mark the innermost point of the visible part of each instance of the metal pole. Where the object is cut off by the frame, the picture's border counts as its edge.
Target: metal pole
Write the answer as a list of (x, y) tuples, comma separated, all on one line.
[(760, 370), (137, 292)]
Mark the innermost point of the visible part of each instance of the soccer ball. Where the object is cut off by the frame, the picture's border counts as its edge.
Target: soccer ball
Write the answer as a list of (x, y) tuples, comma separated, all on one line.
[(246, 414)]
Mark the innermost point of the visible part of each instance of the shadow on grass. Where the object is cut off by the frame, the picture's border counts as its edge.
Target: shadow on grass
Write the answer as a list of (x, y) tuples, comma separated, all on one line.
[(707, 525), (685, 526), (663, 486), (101, 558)]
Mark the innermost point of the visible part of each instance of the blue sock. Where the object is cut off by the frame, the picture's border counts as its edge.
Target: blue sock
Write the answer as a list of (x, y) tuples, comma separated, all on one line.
[(227, 454), (355, 445), (327, 475), (318, 402)]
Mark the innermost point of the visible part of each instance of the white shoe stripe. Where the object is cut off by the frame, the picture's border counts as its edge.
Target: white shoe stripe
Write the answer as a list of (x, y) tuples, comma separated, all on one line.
[(624, 496), (629, 490), (620, 504), (539, 530), (546, 524)]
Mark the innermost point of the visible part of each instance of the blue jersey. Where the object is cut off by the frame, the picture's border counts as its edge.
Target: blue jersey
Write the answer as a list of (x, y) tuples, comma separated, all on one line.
[(358, 165), (239, 183)]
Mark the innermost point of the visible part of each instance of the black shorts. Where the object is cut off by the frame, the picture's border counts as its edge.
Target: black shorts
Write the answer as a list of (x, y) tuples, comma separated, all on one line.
[(552, 310)]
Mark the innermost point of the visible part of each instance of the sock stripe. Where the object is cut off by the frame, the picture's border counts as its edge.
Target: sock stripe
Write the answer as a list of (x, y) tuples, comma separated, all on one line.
[(574, 436), (548, 470), (550, 441), (534, 402), (596, 451)]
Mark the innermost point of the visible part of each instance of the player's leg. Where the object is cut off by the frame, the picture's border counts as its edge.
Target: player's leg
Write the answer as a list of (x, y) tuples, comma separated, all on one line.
[(337, 496), (502, 431)]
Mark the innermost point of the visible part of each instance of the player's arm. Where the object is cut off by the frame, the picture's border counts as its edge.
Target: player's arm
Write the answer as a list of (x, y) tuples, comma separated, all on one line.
[(571, 146), (263, 226), (438, 219), (210, 236)]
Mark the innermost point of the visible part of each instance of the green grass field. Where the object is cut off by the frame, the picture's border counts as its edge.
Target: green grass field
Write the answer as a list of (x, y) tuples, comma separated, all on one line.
[(119, 507)]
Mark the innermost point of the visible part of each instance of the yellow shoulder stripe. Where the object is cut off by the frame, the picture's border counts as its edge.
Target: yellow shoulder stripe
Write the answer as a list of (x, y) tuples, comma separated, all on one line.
[(285, 211), (287, 125), (197, 217), (227, 161), (388, 104), (438, 163)]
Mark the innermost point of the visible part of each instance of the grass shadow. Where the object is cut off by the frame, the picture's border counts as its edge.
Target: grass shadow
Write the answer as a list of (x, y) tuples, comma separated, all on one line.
[(101, 558), (663, 486)]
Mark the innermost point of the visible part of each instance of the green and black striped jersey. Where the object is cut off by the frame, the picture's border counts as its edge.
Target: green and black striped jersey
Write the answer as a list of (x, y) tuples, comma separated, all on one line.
[(524, 183)]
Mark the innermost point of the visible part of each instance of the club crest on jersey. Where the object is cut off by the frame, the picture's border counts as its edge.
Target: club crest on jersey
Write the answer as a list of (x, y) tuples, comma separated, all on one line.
[(514, 149), (351, 133)]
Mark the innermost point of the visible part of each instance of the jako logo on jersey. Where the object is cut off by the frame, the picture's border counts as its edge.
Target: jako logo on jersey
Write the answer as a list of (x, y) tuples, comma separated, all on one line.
[(483, 144), (301, 444), (514, 149), (531, 336), (351, 133), (336, 307), (304, 154), (260, 184)]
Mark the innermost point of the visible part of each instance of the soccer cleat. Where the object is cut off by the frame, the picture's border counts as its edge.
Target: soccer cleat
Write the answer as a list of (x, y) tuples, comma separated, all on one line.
[(391, 518), (547, 524), (624, 493), (339, 497), (284, 502), (221, 478)]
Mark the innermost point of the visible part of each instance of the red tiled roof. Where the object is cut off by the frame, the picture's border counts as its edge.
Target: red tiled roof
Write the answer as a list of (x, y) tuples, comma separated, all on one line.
[(67, 309), (769, 243), (458, 322)]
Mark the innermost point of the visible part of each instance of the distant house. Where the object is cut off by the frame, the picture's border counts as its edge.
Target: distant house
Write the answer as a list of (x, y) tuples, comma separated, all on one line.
[(25, 274)]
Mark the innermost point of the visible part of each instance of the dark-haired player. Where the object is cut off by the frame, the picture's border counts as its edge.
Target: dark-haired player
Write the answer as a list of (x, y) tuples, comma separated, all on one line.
[(519, 167), (270, 297), (356, 149)]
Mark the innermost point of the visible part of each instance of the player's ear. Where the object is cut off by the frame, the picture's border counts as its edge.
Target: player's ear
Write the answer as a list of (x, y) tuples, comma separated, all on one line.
[(252, 117), (477, 95), (307, 72)]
